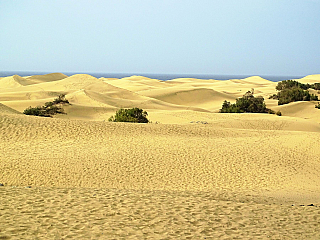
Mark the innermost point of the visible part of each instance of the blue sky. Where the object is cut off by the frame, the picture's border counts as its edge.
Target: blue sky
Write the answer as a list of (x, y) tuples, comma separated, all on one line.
[(232, 37)]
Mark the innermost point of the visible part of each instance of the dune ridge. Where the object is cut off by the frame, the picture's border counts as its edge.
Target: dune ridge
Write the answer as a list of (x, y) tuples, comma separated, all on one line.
[(152, 94), (191, 173), (12, 82)]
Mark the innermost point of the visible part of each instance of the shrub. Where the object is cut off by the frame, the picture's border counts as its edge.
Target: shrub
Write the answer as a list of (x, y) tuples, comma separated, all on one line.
[(135, 115), (49, 109), (61, 99), (278, 113), (313, 97), (316, 86), (37, 111), (248, 103), (295, 94), (288, 84), (291, 91), (227, 107), (317, 106)]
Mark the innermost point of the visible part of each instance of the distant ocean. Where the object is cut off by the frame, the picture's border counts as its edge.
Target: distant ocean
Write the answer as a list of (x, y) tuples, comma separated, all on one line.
[(156, 76)]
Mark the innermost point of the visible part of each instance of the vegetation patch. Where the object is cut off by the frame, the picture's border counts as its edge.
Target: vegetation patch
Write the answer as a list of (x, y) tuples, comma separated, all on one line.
[(318, 106), (291, 91), (295, 94), (135, 115), (247, 104), (49, 109)]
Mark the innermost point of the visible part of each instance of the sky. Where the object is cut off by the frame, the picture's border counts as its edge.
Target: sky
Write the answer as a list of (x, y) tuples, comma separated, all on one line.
[(225, 37)]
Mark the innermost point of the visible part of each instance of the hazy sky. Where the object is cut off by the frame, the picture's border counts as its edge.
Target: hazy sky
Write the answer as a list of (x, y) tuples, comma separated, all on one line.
[(249, 37)]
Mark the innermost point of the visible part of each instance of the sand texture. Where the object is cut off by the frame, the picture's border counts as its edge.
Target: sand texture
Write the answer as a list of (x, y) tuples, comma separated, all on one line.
[(192, 173)]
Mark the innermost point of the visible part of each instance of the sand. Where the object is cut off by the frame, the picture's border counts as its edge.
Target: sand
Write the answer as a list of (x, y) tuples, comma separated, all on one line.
[(192, 173)]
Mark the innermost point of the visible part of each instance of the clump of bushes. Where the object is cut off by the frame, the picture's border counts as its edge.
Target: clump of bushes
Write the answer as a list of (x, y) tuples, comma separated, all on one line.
[(135, 115), (317, 106), (291, 91), (288, 84), (295, 94), (49, 109), (248, 103), (315, 86)]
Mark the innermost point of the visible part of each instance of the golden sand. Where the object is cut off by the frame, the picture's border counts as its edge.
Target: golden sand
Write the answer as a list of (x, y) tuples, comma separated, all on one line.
[(191, 173)]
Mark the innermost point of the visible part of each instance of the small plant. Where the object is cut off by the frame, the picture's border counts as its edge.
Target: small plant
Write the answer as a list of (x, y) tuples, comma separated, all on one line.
[(317, 106), (271, 111), (135, 115), (60, 100)]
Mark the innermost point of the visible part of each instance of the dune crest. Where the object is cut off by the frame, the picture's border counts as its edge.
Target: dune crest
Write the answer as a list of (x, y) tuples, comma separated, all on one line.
[(12, 82), (310, 79), (46, 77)]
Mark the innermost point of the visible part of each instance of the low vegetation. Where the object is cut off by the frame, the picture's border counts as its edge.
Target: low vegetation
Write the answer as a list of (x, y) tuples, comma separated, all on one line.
[(295, 94), (291, 91), (135, 115), (287, 84), (247, 104), (318, 106), (49, 109), (316, 86)]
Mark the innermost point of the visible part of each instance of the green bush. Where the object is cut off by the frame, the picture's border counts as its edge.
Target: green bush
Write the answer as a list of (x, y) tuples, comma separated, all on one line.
[(60, 100), (37, 111), (317, 106), (135, 115), (248, 103), (295, 94), (278, 113), (316, 86), (288, 84), (291, 91), (49, 109)]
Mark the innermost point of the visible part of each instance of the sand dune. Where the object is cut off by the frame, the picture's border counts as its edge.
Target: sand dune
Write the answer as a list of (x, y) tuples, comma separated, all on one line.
[(199, 97), (310, 79), (177, 94), (7, 110), (47, 77), (12, 82), (136, 83), (301, 109), (17, 81), (198, 174)]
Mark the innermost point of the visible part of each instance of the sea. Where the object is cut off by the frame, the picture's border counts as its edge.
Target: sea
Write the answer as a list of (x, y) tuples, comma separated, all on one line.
[(160, 76)]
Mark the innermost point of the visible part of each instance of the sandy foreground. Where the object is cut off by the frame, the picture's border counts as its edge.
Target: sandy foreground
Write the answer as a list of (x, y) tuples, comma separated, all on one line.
[(192, 173)]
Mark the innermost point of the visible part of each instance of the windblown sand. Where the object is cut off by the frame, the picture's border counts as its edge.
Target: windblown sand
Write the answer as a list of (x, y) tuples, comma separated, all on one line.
[(192, 173)]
